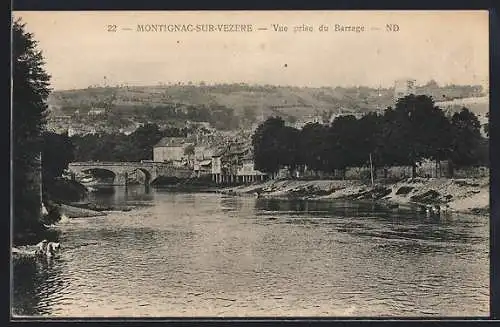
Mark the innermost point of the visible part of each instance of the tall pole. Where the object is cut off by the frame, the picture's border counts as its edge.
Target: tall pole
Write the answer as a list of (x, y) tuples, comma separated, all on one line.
[(371, 168)]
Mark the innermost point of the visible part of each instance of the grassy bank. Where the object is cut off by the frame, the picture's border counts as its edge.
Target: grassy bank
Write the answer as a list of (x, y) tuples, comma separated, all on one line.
[(461, 195)]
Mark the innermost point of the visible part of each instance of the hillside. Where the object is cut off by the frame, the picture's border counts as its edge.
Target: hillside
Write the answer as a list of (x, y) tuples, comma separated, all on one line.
[(245, 100)]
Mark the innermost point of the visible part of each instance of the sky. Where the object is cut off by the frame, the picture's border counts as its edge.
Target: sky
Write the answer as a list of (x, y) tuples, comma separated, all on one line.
[(450, 47)]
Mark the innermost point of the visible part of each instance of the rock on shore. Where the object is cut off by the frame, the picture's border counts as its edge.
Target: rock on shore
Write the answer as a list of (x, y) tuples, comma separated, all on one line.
[(75, 212), (463, 195)]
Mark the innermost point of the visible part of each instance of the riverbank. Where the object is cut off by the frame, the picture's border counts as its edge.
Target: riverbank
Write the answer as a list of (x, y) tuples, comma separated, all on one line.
[(72, 211), (469, 195)]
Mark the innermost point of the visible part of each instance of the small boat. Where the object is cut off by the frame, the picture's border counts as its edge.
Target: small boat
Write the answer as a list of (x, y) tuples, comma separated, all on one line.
[(87, 180)]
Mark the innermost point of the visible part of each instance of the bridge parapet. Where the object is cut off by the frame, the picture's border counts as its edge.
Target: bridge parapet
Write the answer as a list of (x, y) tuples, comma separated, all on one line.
[(121, 164), (121, 169)]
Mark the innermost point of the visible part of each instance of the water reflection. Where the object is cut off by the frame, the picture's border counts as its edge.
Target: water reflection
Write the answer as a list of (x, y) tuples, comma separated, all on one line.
[(35, 283), (122, 195), (201, 254)]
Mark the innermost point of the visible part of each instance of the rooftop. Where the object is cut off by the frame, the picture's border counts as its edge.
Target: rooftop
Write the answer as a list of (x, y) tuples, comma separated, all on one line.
[(231, 149)]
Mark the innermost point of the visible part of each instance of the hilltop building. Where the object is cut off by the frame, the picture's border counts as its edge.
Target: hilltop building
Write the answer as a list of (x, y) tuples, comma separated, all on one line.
[(127, 130), (96, 112), (344, 112), (310, 119), (404, 87)]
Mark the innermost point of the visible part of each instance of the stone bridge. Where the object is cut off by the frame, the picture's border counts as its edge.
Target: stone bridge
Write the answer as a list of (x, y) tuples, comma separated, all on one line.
[(121, 171)]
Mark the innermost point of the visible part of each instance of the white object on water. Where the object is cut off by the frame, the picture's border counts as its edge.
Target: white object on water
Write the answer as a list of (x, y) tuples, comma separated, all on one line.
[(23, 252), (44, 210), (44, 248), (427, 211), (47, 248)]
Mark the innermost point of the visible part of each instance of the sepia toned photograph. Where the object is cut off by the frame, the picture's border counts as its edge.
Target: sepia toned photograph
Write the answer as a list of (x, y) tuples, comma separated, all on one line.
[(250, 164)]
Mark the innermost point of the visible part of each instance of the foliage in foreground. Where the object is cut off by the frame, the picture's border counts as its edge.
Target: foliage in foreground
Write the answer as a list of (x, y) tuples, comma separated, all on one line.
[(30, 91)]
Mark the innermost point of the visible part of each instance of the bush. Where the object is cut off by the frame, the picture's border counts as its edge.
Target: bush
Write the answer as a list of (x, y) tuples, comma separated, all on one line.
[(53, 216), (63, 190)]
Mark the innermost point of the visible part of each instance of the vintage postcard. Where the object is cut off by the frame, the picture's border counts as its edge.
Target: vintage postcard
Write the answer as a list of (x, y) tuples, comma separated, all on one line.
[(250, 164)]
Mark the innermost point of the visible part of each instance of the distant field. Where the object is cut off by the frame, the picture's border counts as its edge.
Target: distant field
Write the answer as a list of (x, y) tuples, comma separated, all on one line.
[(266, 100), (479, 106)]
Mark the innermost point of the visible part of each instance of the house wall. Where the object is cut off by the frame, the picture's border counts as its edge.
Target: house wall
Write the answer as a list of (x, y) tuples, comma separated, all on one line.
[(428, 169), (164, 153), (216, 165), (248, 169), (203, 152), (394, 172), (357, 173), (471, 172)]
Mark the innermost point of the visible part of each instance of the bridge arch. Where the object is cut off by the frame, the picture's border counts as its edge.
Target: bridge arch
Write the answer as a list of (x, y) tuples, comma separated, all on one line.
[(103, 174), (147, 174), (150, 170)]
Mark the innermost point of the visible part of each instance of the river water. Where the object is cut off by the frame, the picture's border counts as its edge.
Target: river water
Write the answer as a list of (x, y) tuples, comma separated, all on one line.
[(207, 254)]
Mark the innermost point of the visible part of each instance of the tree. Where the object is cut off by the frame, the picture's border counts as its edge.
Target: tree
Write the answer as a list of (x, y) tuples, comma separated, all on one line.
[(466, 131), (342, 142), (30, 90), (57, 153), (266, 145), (249, 114), (223, 118), (368, 132), (144, 139), (419, 128), (288, 140), (313, 147), (487, 125)]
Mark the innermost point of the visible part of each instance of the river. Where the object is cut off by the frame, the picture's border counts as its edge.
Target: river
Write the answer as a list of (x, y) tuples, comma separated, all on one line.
[(207, 254)]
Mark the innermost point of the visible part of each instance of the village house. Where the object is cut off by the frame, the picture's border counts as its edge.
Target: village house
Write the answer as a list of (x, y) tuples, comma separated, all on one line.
[(176, 150), (202, 158), (203, 152), (233, 163), (127, 130), (203, 167), (345, 112), (311, 119), (96, 112), (404, 87), (171, 149), (247, 172)]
